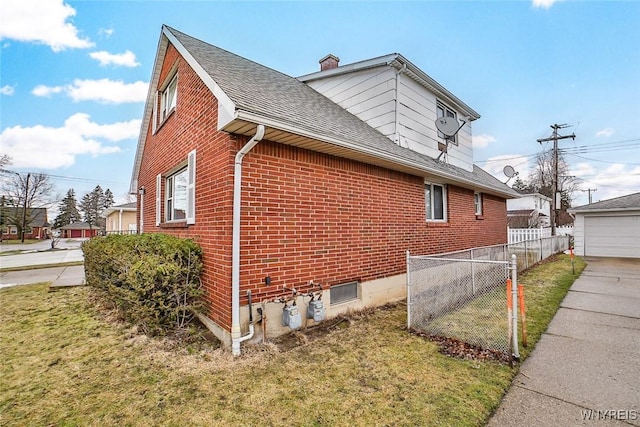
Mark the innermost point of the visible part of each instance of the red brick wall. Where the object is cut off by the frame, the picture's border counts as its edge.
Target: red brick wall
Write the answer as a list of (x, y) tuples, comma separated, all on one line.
[(306, 216), (310, 216)]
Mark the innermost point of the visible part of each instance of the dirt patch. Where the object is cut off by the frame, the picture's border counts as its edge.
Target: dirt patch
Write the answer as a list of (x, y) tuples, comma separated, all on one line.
[(301, 337), (462, 350)]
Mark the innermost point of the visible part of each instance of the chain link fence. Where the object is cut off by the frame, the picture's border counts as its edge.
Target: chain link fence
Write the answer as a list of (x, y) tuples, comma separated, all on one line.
[(462, 295), (459, 298)]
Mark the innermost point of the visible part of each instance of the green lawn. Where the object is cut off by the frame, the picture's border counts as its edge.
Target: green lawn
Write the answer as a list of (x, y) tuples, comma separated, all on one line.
[(66, 361)]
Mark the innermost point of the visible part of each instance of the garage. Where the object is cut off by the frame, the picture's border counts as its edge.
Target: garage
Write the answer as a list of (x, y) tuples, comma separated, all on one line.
[(612, 236), (609, 228)]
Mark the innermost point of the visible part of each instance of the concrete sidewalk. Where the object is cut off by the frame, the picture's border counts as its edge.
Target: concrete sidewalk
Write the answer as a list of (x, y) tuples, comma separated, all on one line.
[(58, 276), (41, 258), (585, 370)]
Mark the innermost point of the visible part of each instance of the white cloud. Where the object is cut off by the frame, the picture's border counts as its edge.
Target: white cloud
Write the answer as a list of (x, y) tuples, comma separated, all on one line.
[(127, 59), (613, 181), (42, 90), (103, 90), (7, 90), (106, 32), (45, 147), (42, 22), (482, 141), (606, 132), (544, 4)]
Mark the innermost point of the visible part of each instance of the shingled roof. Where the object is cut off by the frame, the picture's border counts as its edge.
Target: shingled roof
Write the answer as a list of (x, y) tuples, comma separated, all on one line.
[(250, 93), (628, 202)]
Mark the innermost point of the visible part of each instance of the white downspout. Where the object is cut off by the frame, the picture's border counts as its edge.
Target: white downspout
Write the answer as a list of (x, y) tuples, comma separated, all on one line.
[(236, 337)]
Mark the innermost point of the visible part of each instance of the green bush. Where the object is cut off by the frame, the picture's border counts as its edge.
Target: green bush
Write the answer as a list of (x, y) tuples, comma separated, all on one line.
[(153, 279)]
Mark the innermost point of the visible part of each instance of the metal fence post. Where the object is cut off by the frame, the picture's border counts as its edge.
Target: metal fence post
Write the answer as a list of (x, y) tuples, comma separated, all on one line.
[(473, 274), (514, 299)]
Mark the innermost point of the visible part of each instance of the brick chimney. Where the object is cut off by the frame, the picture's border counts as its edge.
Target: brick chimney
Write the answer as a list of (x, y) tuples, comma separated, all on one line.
[(329, 62)]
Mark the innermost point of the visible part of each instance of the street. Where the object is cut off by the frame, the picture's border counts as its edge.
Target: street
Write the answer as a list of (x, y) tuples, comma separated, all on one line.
[(38, 254)]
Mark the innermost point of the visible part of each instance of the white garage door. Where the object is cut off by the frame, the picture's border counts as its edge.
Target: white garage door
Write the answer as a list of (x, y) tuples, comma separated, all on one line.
[(612, 236)]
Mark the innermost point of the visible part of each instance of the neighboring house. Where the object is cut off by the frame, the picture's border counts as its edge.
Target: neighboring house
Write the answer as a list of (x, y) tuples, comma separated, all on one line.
[(120, 219), (78, 230), (287, 185), (609, 228), (38, 226), (532, 210)]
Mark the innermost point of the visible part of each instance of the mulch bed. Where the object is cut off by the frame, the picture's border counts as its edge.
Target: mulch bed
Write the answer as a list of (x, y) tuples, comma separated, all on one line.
[(462, 350)]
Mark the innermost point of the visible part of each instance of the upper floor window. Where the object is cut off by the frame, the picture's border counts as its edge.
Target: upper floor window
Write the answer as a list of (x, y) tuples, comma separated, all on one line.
[(477, 199), (436, 202), (168, 98), (444, 111)]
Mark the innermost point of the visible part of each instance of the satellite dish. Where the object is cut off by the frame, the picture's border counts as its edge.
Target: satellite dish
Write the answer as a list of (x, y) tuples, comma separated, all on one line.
[(447, 125), (509, 171)]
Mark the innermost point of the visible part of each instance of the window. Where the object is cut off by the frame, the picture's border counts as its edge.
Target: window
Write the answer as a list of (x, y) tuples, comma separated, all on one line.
[(176, 196), (168, 98), (179, 193), (436, 202), (344, 292), (444, 111), (477, 199)]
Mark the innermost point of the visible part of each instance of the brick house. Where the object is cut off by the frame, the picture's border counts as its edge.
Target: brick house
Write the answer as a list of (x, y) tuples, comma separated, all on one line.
[(37, 224), (284, 181)]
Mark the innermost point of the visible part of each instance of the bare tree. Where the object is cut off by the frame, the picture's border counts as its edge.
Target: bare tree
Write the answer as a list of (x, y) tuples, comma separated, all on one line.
[(24, 192), (541, 178)]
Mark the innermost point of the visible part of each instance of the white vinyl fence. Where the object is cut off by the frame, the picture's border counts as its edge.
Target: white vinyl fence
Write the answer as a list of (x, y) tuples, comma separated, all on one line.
[(516, 235)]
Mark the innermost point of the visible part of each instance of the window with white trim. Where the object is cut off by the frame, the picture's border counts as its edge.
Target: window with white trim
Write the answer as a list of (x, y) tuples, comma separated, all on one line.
[(179, 202), (176, 196), (168, 98), (444, 111), (477, 200), (435, 196)]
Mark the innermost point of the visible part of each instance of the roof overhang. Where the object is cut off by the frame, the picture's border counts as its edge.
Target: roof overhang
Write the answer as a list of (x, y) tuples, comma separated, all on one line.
[(602, 210), (246, 122)]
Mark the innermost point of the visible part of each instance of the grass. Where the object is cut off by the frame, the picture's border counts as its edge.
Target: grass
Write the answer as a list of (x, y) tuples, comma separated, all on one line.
[(18, 242), (66, 362)]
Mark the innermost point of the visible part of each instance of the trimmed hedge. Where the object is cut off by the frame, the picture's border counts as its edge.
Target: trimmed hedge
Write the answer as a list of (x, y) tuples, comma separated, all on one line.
[(153, 279)]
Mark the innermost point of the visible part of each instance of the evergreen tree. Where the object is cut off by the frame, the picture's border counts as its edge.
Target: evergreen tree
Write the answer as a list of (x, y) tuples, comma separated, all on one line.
[(68, 210), (107, 200), (93, 203)]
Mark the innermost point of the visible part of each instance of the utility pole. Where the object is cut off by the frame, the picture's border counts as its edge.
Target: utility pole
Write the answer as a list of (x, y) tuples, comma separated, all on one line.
[(24, 208), (590, 190), (555, 137)]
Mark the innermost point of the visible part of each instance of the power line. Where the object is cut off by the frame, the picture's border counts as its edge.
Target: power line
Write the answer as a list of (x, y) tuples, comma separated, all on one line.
[(602, 161)]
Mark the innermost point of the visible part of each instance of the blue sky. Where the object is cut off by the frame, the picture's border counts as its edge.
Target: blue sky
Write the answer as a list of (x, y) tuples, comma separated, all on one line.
[(74, 74)]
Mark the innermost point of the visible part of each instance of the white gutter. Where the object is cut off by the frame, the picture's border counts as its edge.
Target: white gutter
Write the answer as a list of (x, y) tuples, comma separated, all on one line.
[(236, 337)]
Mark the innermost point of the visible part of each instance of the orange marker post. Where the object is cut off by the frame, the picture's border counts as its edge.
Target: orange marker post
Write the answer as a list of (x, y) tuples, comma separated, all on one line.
[(573, 266), (522, 313)]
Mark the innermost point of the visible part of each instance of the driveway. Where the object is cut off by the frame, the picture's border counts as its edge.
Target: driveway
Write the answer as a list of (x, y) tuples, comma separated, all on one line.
[(586, 367)]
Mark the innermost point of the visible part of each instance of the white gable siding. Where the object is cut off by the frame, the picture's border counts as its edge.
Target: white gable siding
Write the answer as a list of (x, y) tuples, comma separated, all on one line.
[(417, 125), (371, 95), (531, 201), (368, 94)]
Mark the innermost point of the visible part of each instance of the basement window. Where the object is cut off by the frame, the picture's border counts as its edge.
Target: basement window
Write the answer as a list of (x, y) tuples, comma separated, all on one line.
[(344, 292)]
